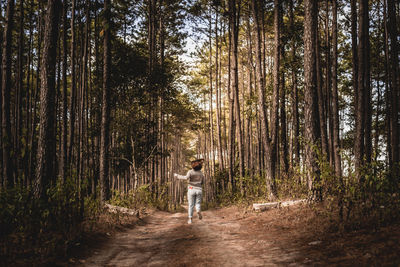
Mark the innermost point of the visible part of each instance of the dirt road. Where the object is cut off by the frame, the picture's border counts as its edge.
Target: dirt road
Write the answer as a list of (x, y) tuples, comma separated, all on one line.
[(234, 237), (222, 238)]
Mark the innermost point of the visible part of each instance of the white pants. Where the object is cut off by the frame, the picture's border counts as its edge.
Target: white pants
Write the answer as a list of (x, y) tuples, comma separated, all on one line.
[(194, 197)]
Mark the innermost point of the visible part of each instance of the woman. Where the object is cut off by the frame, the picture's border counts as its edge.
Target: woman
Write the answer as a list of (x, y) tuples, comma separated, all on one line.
[(195, 181)]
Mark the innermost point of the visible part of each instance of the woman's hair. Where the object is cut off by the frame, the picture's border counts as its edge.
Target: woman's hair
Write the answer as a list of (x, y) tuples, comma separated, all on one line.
[(197, 164)]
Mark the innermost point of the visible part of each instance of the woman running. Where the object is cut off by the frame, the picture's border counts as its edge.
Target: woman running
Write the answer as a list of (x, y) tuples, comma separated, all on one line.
[(195, 181)]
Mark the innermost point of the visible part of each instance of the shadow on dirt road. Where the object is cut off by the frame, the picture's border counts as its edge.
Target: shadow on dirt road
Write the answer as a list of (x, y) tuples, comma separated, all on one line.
[(236, 237)]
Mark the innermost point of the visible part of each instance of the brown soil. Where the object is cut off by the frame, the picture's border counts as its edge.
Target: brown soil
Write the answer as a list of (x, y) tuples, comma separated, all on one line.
[(237, 237)]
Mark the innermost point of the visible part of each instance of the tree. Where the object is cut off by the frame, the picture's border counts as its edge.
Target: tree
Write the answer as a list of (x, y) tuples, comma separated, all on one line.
[(217, 96), (335, 97), (295, 101), (105, 109), (234, 18), (45, 171), (394, 89), (363, 113), (73, 88), (2, 180), (276, 84), (270, 176), (64, 128), (20, 92), (312, 134), (5, 96)]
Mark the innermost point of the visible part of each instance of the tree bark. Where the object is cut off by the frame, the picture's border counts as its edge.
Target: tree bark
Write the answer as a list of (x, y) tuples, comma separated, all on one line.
[(73, 89), (295, 101), (20, 92), (394, 89), (387, 90), (327, 94), (64, 136), (217, 96), (2, 179), (276, 85), (335, 97), (232, 121), (367, 82), (5, 95), (250, 71), (283, 134), (312, 133), (45, 171), (234, 24), (211, 114), (321, 106), (105, 117), (362, 132), (354, 44), (270, 174)]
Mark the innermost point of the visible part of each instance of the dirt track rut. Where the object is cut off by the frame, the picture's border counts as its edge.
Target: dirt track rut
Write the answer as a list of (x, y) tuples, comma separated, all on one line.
[(220, 239)]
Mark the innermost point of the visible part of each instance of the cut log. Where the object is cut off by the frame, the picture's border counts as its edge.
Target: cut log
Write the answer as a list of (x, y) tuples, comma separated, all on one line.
[(270, 205), (117, 209), (265, 206), (292, 202)]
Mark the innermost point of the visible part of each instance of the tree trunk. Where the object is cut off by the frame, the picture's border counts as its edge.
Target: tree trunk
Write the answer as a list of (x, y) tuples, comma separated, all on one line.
[(217, 96), (367, 81), (387, 90), (105, 114), (312, 133), (250, 64), (45, 171), (35, 97), (283, 134), (211, 114), (378, 113), (6, 90), (2, 179), (64, 136), (327, 95), (354, 44), (234, 24), (276, 85), (20, 92), (335, 97), (394, 89), (73, 90), (232, 121), (363, 87), (270, 175), (321, 106), (295, 101)]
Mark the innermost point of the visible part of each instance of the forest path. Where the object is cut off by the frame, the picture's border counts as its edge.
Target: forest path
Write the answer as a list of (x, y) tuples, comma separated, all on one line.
[(225, 237), (290, 236)]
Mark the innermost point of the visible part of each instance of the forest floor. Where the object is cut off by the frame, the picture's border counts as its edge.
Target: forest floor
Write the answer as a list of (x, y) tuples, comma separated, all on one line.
[(233, 236)]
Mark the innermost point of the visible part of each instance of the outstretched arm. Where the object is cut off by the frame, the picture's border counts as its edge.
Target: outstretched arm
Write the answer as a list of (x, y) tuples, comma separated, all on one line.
[(182, 177)]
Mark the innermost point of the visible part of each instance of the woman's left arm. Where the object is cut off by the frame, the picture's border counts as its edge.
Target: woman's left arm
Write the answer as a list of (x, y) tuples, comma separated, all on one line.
[(182, 177)]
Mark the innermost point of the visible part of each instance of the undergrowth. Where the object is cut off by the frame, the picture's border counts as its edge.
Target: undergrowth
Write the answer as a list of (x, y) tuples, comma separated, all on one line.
[(144, 196), (39, 228), (369, 199)]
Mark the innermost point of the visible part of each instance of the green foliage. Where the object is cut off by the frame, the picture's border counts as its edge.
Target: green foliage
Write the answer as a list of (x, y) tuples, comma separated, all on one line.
[(371, 200), (292, 185), (247, 189), (367, 199), (42, 225), (144, 196)]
